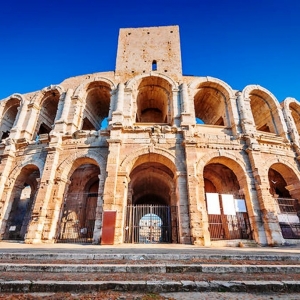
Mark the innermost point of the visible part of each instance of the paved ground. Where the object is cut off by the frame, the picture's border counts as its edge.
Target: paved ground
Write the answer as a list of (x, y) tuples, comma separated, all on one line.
[(18, 247)]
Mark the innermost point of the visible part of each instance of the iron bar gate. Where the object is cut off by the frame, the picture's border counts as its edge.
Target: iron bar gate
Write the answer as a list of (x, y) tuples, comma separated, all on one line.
[(78, 220), (150, 224), (288, 218)]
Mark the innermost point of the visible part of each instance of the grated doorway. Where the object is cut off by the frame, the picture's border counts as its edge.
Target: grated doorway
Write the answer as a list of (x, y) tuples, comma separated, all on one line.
[(150, 224)]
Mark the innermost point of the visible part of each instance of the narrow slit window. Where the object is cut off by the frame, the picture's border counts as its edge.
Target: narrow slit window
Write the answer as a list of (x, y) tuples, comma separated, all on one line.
[(154, 65)]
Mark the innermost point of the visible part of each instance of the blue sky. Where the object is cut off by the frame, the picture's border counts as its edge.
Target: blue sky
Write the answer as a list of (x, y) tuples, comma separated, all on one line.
[(240, 42)]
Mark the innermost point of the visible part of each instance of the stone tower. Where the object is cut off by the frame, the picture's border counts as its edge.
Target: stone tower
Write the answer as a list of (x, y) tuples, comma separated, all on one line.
[(142, 50)]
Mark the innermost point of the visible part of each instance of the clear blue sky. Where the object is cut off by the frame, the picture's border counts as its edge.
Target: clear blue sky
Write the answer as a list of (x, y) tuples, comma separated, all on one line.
[(240, 42)]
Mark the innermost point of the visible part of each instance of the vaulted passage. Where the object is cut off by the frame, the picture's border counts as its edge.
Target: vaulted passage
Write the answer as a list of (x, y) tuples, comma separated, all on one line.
[(151, 212), (9, 117), (20, 210), (47, 114), (153, 100), (79, 207), (227, 211), (209, 104), (97, 105)]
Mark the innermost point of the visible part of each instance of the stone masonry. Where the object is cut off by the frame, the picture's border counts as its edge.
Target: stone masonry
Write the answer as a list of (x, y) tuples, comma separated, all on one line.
[(146, 135)]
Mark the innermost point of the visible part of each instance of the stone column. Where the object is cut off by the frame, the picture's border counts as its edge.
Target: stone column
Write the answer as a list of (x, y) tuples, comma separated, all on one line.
[(31, 121), (196, 217), (110, 187), (99, 211), (265, 199), (186, 116), (18, 124), (73, 118), (43, 198), (60, 187), (61, 123), (118, 114)]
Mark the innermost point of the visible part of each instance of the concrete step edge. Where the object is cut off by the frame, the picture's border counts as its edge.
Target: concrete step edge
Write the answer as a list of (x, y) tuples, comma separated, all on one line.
[(171, 256), (157, 268), (149, 286)]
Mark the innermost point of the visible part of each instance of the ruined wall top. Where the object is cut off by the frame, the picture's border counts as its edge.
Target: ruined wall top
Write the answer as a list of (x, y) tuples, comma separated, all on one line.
[(142, 50)]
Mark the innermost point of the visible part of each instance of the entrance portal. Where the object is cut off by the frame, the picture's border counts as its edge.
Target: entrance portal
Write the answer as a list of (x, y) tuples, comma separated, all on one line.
[(150, 224), (79, 208)]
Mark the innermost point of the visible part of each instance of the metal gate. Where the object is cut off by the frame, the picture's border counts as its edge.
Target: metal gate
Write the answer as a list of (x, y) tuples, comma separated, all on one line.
[(78, 221), (288, 218), (151, 224), (228, 218)]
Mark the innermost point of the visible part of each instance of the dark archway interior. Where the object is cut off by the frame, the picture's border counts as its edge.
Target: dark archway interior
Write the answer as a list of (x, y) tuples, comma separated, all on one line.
[(277, 184), (23, 194), (218, 178), (79, 209), (153, 100), (210, 106), (151, 184)]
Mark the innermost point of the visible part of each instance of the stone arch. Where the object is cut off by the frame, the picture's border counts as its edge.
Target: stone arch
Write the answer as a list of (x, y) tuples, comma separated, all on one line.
[(211, 100), (266, 110), (67, 166), (135, 81), (10, 111), (38, 98), (96, 97), (152, 98), (19, 197), (213, 82), (32, 161), (170, 160), (225, 173), (81, 90), (238, 162), (46, 105), (291, 109)]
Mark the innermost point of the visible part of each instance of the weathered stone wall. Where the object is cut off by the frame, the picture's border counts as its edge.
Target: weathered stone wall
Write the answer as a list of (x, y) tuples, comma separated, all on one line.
[(151, 146)]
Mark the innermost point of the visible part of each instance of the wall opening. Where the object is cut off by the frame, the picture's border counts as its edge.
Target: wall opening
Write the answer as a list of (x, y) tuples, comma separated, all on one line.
[(151, 215), (23, 195), (227, 211), (79, 208)]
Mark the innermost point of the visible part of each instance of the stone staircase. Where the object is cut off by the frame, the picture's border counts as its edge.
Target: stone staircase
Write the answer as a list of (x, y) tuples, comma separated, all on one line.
[(148, 272)]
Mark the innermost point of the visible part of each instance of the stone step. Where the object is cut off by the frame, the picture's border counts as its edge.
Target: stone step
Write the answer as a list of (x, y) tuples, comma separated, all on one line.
[(38, 286), (144, 257), (150, 268)]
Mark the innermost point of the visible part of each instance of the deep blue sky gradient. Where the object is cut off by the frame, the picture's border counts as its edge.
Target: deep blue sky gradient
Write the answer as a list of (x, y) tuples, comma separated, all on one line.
[(240, 42)]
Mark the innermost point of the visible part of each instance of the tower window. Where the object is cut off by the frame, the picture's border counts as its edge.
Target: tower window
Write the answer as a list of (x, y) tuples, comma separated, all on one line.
[(154, 65)]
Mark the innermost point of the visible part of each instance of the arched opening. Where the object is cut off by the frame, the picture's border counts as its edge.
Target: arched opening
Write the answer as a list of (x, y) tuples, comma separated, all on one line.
[(295, 112), (97, 105), (23, 196), (79, 208), (9, 116), (226, 206), (261, 111), (210, 104), (47, 114), (153, 100), (151, 211), (282, 181)]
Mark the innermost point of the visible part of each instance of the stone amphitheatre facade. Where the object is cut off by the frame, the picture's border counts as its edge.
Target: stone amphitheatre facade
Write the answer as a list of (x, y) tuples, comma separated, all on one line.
[(162, 156)]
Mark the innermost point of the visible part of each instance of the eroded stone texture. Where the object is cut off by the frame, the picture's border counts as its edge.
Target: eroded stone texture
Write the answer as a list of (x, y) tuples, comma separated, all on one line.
[(146, 136)]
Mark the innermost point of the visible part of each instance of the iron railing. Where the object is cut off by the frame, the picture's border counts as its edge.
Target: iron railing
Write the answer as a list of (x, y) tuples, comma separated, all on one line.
[(150, 224)]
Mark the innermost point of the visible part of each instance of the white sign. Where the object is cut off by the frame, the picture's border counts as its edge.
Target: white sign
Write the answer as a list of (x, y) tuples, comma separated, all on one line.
[(240, 205), (213, 204), (285, 218), (228, 204), (12, 228)]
